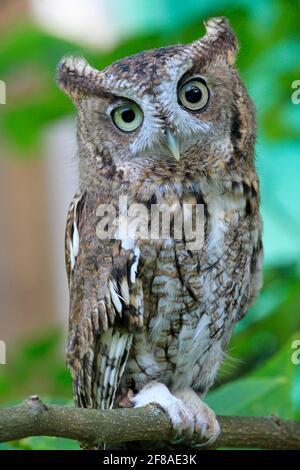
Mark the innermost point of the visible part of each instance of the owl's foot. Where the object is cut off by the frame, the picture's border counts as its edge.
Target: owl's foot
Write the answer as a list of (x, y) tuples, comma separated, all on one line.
[(124, 399), (181, 416), (205, 422)]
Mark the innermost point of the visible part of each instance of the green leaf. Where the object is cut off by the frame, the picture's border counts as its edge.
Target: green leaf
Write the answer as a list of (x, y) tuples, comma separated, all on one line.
[(271, 388), (7, 446), (47, 443), (244, 396), (288, 401)]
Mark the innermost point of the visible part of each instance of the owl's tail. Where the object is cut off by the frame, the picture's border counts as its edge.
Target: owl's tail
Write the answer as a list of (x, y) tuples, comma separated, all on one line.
[(111, 360)]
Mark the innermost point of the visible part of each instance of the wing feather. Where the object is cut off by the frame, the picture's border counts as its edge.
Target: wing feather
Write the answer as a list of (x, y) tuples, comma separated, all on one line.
[(256, 277), (106, 305)]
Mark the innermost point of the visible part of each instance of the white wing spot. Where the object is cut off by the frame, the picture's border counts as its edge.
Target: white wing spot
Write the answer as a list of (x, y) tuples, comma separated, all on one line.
[(134, 266), (72, 257), (75, 239), (125, 291), (115, 297)]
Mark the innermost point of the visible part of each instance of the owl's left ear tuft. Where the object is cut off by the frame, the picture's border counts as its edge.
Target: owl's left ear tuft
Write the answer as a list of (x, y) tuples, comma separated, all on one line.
[(77, 78), (221, 38)]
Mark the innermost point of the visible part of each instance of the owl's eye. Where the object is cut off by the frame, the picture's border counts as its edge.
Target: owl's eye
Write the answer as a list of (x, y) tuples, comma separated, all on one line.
[(193, 94), (127, 117)]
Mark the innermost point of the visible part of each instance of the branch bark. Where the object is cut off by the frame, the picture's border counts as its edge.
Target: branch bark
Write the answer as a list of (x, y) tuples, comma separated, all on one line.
[(33, 418)]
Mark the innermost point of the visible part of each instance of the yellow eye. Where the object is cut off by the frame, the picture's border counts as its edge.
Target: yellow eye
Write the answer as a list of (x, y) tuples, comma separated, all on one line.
[(127, 117), (194, 94)]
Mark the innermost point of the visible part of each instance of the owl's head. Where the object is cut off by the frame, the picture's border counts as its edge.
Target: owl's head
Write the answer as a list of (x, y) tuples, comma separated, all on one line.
[(168, 105)]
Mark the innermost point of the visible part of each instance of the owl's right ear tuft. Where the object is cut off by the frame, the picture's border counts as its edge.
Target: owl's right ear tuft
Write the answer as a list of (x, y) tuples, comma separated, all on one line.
[(77, 78)]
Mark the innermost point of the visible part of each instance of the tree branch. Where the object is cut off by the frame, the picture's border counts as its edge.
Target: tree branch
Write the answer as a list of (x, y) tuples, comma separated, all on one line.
[(33, 418)]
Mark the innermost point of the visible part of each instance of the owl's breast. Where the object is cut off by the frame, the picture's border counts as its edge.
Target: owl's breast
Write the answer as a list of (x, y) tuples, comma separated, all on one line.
[(192, 298)]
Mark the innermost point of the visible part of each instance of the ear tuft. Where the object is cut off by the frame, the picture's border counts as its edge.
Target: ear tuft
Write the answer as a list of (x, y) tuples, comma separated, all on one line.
[(216, 26), (76, 77), (221, 37)]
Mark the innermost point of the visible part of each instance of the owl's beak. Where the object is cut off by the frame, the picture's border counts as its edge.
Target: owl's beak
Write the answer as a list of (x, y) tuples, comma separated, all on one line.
[(173, 144)]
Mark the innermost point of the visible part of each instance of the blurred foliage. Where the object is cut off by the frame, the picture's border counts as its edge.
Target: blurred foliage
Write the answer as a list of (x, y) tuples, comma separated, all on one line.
[(258, 376), (36, 364)]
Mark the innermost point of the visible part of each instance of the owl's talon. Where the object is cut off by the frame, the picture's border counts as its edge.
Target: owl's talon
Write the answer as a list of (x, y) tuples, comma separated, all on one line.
[(178, 440), (181, 417), (124, 400), (206, 425)]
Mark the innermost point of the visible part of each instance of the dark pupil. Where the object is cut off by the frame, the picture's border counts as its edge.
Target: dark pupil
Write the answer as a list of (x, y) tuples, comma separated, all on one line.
[(128, 115), (193, 94)]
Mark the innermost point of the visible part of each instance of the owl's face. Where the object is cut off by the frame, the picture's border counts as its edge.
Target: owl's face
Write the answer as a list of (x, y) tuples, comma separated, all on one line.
[(160, 104)]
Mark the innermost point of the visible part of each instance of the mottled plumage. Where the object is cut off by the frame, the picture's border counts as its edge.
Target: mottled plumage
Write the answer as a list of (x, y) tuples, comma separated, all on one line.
[(150, 320)]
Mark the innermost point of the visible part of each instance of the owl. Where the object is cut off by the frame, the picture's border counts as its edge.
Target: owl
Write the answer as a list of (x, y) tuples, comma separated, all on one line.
[(151, 318)]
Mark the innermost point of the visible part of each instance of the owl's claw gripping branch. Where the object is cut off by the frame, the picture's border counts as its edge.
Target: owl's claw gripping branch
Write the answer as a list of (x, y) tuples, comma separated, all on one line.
[(192, 420), (33, 418)]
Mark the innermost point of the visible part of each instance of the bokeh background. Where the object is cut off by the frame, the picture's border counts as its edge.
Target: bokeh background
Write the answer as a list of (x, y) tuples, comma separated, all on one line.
[(38, 176)]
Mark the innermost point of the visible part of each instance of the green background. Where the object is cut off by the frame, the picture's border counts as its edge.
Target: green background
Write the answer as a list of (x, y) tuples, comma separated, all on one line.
[(258, 377)]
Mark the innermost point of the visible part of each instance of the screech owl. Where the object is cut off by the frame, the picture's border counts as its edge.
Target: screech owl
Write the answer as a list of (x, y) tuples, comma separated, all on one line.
[(150, 320)]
